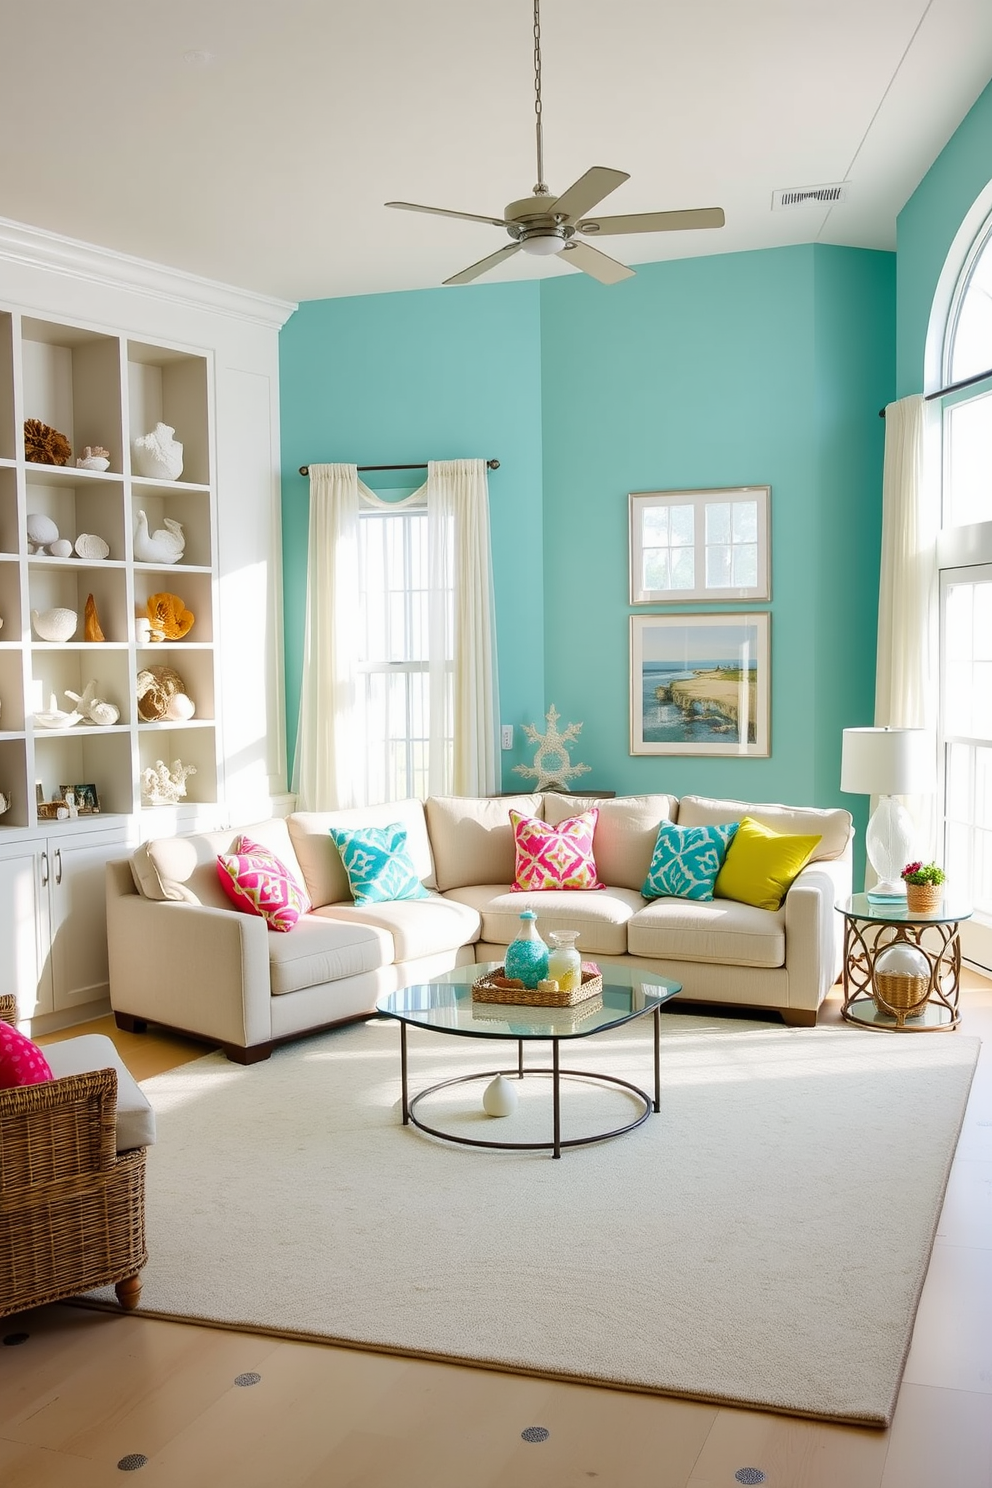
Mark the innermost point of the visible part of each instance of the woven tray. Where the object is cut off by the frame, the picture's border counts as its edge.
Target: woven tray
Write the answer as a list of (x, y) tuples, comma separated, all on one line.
[(484, 991), (559, 1018)]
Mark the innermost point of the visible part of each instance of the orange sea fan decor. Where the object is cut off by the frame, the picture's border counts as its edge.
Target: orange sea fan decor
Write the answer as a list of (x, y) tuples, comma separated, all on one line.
[(169, 618)]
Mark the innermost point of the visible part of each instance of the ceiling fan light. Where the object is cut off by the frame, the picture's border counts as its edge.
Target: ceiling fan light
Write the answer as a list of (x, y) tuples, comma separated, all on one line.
[(543, 244)]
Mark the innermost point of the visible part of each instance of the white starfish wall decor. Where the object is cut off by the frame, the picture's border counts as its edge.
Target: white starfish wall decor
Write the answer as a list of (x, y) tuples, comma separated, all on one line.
[(551, 764)]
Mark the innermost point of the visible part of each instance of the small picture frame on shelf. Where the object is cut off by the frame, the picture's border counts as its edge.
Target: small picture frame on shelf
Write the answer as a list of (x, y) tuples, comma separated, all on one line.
[(39, 793), (85, 798)]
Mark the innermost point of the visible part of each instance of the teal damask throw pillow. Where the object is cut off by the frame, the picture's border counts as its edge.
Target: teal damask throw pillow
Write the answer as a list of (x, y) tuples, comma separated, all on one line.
[(378, 864), (687, 860)]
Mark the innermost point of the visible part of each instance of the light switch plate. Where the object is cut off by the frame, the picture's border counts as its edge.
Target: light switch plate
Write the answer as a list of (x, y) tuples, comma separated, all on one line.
[(506, 735)]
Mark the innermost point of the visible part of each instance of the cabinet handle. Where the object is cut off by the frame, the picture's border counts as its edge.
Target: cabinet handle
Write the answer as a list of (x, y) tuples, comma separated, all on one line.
[(44, 869), (58, 865)]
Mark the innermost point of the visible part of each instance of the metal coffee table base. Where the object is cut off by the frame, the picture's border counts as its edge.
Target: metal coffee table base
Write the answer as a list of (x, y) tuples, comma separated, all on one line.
[(557, 1074)]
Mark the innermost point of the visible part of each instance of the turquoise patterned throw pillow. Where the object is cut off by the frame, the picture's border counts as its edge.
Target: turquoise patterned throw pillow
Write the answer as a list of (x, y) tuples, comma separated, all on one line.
[(378, 864), (687, 860)]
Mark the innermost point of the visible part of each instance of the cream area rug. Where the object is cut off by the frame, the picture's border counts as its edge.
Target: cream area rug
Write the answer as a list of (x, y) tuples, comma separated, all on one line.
[(761, 1241)]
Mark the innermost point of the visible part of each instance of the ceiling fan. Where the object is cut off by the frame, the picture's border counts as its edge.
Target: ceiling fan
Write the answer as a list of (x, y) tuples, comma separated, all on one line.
[(545, 224)]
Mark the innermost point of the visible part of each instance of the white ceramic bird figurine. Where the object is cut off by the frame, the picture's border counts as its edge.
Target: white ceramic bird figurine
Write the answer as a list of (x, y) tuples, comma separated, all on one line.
[(54, 718), (165, 545)]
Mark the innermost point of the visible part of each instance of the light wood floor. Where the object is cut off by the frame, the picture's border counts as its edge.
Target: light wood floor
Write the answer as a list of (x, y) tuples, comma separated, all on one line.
[(86, 1391)]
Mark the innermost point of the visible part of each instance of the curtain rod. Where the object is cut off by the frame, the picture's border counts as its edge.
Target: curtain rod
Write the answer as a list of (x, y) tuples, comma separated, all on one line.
[(952, 387), (305, 469)]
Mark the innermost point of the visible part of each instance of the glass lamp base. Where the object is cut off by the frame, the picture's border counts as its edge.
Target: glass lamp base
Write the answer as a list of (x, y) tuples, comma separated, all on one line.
[(889, 843)]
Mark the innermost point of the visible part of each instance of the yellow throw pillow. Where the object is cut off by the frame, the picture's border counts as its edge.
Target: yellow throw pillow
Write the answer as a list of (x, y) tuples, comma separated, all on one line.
[(761, 865)]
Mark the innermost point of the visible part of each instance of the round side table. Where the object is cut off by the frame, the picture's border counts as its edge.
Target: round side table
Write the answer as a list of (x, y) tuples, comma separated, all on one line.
[(930, 1004)]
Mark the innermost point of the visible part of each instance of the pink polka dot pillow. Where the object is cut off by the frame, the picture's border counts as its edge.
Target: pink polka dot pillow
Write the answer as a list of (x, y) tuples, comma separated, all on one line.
[(21, 1061), (555, 857), (255, 881)]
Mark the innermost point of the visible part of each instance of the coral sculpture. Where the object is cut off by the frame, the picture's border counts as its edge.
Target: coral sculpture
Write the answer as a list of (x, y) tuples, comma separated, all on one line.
[(158, 456), (162, 785), (551, 764), (158, 687), (170, 619), (44, 445)]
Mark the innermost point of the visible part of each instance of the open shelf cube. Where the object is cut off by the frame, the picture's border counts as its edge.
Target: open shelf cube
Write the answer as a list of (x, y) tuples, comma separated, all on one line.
[(62, 584), (191, 508), (13, 782), (170, 387), (193, 746), (79, 502), (93, 758), (72, 381)]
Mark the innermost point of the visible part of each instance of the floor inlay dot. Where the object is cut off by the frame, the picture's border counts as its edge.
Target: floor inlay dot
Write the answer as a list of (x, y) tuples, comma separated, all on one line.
[(247, 1379), (535, 1434), (12, 1339), (132, 1461), (749, 1475)]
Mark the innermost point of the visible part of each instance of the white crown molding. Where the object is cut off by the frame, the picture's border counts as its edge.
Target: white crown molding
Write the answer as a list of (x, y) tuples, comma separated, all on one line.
[(20, 243)]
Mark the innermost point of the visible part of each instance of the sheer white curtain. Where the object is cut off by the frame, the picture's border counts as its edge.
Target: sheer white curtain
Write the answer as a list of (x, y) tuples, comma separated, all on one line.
[(907, 671), (331, 744), (458, 538)]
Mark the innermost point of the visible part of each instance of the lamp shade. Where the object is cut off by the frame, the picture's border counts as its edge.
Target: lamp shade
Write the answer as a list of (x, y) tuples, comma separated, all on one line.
[(887, 761)]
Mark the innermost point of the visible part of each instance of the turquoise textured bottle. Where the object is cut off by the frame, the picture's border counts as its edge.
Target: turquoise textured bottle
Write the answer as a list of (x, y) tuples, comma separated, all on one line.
[(527, 955)]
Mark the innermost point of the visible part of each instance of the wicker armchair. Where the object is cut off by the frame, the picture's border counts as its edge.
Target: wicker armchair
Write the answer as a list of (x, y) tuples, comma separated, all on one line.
[(72, 1210)]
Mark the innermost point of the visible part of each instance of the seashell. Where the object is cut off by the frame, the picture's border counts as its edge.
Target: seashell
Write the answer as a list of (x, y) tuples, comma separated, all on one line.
[(88, 545), (158, 456), (157, 687), (165, 545), (170, 618), (92, 708), (61, 549), (55, 624), (41, 530), (94, 457), (4, 802), (53, 718), (180, 708), (104, 714)]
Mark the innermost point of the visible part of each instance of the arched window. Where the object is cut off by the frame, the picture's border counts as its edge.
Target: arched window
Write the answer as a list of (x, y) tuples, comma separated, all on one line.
[(965, 563)]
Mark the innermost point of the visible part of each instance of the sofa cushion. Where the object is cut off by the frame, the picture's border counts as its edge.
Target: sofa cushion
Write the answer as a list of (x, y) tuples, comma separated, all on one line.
[(422, 927), (601, 918), (320, 861), (687, 860), (94, 1051), (625, 832), (259, 883), (161, 867), (718, 930), (761, 865), (833, 826), (325, 949), (472, 838), (378, 863), (558, 857)]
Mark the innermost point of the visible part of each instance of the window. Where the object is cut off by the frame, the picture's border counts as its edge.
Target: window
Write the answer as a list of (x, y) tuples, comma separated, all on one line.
[(965, 563), (687, 545), (395, 676)]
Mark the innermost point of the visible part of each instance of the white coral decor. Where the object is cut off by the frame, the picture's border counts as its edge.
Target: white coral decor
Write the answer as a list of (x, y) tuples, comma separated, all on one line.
[(551, 765), (164, 786), (158, 456)]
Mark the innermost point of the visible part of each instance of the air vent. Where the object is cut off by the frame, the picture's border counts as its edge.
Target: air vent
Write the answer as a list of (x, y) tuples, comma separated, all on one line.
[(809, 196)]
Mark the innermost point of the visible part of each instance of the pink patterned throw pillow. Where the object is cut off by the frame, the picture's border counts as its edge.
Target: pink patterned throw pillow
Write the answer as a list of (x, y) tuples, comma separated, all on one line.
[(256, 881), (555, 857), (21, 1061)]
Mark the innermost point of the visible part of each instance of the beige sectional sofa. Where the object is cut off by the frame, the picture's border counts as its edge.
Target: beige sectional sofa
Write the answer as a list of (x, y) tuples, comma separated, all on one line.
[(182, 956)]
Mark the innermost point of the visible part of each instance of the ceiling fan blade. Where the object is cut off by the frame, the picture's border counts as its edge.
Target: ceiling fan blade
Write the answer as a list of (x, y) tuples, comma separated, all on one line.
[(589, 189), (484, 265), (599, 265), (654, 221), (443, 212)]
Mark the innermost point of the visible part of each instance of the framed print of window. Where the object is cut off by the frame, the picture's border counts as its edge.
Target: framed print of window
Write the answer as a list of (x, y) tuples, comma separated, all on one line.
[(690, 545), (700, 684)]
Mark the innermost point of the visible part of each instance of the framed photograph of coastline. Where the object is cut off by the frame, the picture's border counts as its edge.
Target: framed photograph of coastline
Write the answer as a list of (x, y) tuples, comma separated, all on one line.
[(700, 545), (700, 684)]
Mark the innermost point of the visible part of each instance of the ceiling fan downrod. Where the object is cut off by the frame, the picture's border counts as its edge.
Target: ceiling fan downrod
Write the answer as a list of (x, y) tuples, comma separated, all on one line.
[(541, 188)]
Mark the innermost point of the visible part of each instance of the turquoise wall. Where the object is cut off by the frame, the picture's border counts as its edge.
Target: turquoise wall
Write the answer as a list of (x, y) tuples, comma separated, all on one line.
[(753, 368), (926, 229)]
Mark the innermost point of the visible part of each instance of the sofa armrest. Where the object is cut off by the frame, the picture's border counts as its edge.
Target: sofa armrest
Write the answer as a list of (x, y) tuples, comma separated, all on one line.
[(188, 966), (814, 930)]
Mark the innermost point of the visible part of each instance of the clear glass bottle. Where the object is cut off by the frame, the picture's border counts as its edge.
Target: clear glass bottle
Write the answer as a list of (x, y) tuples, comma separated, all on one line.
[(527, 955), (565, 963)]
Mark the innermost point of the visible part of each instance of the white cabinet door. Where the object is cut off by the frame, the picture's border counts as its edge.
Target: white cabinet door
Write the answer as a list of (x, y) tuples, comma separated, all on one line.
[(78, 917), (25, 966)]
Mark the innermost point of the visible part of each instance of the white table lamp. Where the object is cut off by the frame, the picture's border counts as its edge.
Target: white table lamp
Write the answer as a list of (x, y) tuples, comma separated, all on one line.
[(888, 762)]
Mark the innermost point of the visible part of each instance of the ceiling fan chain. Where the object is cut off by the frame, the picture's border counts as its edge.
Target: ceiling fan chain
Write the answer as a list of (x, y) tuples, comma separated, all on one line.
[(541, 188)]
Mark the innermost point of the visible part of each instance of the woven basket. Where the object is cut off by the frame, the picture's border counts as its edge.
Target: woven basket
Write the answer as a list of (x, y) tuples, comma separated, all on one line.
[(901, 993), (561, 1019), (924, 898), (484, 991)]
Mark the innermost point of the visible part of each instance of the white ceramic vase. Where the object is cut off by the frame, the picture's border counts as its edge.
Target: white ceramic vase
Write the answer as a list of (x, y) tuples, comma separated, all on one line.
[(55, 624), (158, 456)]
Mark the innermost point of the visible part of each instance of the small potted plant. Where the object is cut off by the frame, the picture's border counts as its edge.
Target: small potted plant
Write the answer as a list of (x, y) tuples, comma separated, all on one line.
[(924, 887)]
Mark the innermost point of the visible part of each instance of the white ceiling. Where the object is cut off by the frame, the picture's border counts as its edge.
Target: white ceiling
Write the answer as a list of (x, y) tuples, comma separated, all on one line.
[(255, 141)]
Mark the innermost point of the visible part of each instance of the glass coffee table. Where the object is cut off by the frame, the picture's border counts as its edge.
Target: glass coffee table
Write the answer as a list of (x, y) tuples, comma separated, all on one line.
[(445, 1005)]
